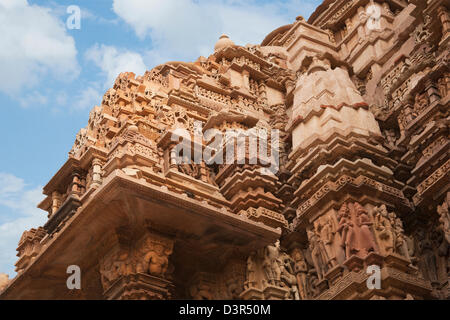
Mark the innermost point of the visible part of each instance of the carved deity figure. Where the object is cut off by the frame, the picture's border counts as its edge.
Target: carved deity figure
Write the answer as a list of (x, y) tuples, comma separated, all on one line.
[(288, 277), (318, 254), (412, 251), (189, 168), (384, 230), (401, 245), (441, 254), (347, 231), (427, 257), (313, 284), (366, 239), (326, 231), (271, 264), (391, 139), (157, 261), (115, 266), (444, 217), (301, 271)]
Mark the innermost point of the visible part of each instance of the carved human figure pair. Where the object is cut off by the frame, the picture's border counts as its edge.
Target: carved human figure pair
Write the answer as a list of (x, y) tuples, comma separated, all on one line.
[(384, 230), (279, 270), (355, 230), (390, 233)]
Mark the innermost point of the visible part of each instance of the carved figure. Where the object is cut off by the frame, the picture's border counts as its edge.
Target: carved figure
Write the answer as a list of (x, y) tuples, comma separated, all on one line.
[(317, 254), (427, 257), (288, 276), (346, 230), (326, 241), (384, 230), (366, 239), (401, 246), (271, 264), (301, 271)]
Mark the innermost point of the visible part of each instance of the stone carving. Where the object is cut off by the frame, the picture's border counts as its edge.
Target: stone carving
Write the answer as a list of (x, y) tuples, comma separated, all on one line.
[(4, 281), (234, 288), (251, 271), (155, 258), (363, 121), (190, 169), (444, 230), (390, 233), (401, 244), (427, 261), (288, 277), (115, 266), (329, 237), (366, 239), (355, 228), (301, 271), (444, 217), (271, 264), (318, 254), (384, 230), (151, 257), (346, 230)]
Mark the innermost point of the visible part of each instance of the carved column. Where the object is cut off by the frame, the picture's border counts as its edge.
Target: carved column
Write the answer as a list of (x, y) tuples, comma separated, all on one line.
[(97, 172), (263, 93), (78, 184), (56, 202)]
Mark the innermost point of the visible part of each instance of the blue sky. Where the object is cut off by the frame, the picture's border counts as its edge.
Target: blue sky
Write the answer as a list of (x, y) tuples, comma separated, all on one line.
[(51, 76)]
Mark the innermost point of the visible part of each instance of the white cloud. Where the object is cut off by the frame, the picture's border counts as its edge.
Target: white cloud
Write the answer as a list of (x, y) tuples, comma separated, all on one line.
[(32, 99), (112, 61), (33, 44), (60, 10), (18, 212), (185, 29), (88, 98)]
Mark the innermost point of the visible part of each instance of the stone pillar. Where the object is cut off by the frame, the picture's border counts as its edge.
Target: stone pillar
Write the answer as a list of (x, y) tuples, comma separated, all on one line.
[(172, 157), (263, 93), (96, 172), (56, 202)]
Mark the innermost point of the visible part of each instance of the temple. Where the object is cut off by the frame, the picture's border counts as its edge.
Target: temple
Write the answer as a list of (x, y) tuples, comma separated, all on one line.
[(359, 94)]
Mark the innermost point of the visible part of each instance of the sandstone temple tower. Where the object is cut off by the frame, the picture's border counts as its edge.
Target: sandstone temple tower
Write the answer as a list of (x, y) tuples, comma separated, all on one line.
[(360, 94)]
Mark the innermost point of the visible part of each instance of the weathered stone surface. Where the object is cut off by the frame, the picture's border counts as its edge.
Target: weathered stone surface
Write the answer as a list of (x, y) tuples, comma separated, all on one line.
[(361, 103)]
